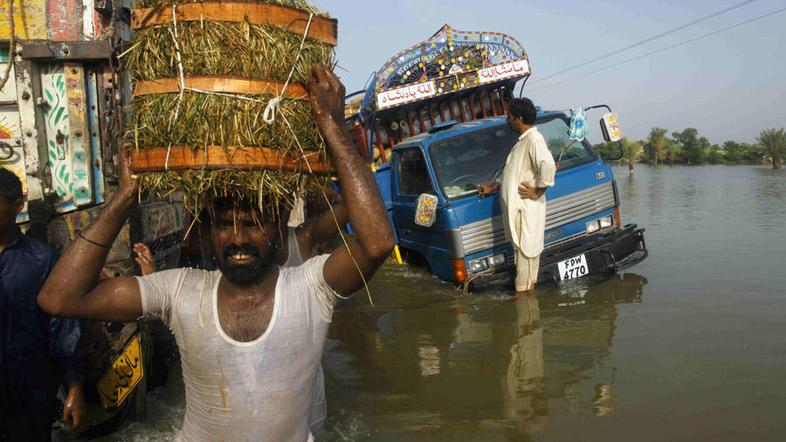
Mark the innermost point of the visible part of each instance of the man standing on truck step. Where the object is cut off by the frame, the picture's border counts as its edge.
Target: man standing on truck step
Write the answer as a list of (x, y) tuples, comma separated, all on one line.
[(251, 334), (529, 170), (38, 353)]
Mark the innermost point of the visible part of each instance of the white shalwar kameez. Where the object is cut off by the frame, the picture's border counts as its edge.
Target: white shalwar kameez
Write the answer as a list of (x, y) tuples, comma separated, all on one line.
[(529, 162)]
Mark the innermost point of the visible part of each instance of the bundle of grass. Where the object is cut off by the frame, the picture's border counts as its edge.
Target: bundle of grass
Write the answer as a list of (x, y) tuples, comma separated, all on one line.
[(224, 48), (206, 73), (271, 190)]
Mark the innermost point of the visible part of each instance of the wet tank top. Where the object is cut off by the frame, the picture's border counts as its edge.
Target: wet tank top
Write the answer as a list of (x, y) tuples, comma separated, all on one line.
[(261, 390)]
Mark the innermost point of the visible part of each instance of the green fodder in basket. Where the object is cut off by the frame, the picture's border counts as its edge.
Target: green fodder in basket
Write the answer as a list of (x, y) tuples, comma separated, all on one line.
[(214, 48)]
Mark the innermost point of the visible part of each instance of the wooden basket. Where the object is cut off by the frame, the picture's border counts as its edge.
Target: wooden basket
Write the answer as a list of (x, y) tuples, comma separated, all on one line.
[(250, 155)]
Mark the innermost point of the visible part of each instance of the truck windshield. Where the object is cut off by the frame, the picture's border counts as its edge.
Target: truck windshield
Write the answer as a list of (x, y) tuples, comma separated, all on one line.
[(463, 162)]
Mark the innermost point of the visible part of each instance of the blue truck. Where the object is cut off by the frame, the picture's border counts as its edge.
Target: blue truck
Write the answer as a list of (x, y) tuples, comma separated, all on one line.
[(432, 124)]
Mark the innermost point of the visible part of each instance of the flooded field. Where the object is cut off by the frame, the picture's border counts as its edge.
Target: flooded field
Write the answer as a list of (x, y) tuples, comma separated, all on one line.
[(688, 345)]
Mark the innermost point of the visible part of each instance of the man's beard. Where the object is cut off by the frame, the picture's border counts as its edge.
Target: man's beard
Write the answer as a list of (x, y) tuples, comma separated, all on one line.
[(245, 275)]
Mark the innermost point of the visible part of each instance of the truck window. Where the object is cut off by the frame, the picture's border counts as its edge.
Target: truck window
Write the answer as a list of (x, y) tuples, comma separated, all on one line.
[(463, 162), (412, 174), (555, 130)]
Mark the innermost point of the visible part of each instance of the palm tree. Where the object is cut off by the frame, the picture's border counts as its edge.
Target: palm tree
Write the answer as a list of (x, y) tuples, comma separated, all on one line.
[(774, 143), (631, 151), (657, 143), (673, 149)]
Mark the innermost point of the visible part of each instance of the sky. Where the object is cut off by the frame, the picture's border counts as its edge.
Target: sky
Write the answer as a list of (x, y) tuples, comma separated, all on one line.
[(729, 86)]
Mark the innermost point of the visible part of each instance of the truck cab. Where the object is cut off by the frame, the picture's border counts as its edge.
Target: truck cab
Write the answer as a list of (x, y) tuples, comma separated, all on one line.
[(466, 242)]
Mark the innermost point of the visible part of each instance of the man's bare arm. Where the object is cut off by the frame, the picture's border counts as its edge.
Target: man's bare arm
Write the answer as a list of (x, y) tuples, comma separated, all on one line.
[(487, 188), (71, 290), (361, 195), (327, 226)]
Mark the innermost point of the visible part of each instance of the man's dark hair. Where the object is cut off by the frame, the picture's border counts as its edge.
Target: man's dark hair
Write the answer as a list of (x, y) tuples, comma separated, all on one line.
[(524, 109), (10, 186)]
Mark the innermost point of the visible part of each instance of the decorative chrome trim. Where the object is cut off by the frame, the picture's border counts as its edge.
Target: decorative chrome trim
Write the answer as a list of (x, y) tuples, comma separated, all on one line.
[(579, 205), (482, 235), (487, 233)]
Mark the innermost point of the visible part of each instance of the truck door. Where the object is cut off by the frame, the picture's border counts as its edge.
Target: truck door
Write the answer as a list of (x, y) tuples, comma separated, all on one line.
[(411, 179)]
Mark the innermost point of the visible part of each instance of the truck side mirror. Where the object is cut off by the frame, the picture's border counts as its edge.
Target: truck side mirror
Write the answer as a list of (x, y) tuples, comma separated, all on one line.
[(426, 211), (609, 126)]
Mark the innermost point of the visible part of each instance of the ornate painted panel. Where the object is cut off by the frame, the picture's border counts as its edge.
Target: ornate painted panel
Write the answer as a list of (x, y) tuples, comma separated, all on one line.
[(79, 139), (12, 155), (29, 19), (53, 87)]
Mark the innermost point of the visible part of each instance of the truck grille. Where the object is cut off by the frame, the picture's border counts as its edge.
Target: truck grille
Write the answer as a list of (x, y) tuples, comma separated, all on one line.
[(482, 235), (576, 206), (488, 233)]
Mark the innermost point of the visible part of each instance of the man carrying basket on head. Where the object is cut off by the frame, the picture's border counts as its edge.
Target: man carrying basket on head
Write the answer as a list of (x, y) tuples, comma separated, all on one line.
[(251, 335)]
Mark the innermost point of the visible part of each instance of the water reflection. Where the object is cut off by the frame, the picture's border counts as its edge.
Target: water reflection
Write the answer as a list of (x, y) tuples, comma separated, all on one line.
[(524, 402), (770, 194), (473, 367)]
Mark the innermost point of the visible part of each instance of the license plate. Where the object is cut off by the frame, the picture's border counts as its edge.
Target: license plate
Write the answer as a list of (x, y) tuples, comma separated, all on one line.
[(573, 268), (124, 375)]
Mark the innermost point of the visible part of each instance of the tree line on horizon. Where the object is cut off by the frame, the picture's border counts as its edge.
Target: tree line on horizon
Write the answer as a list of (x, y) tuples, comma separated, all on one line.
[(689, 148)]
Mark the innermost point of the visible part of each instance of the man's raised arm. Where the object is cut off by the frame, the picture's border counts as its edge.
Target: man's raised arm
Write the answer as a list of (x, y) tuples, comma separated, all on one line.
[(71, 290), (360, 192)]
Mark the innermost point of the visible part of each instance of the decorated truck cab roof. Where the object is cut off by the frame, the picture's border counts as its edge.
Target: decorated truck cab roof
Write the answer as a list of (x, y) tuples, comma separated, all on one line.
[(453, 75)]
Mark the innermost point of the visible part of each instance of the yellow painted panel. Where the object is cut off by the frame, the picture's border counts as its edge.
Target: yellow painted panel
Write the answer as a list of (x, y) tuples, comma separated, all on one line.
[(29, 20), (121, 379)]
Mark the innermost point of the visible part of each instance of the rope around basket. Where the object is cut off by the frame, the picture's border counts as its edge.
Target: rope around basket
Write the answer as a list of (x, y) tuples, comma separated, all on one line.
[(270, 111)]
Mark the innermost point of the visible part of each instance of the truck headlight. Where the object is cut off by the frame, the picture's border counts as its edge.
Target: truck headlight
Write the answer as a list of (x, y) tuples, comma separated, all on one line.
[(601, 223), (481, 264), (478, 265)]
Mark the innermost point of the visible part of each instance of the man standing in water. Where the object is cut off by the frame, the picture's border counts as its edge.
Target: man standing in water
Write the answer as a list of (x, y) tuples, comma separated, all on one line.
[(251, 335), (529, 170)]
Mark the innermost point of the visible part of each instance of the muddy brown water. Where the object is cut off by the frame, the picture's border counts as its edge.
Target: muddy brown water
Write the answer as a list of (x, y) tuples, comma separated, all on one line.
[(688, 345)]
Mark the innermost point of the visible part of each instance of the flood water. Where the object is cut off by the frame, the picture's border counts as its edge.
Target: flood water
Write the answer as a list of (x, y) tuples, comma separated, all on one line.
[(688, 345)]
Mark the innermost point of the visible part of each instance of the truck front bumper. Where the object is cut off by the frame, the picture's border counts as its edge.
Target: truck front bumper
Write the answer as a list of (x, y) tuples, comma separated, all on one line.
[(606, 253)]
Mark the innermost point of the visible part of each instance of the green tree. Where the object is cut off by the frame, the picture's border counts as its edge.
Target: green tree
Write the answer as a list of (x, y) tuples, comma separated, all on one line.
[(609, 149), (733, 152), (632, 152), (673, 150), (694, 148), (752, 153), (656, 144), (715, 155), (774, 144)]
